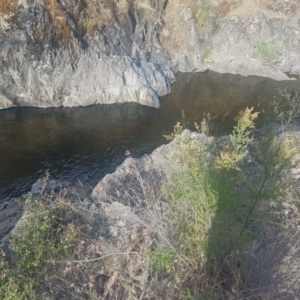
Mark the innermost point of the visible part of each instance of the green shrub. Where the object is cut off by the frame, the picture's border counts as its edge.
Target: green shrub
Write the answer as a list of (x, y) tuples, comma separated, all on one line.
[(13, 286), (241, 135), (161, 261), (43, 236), (137, 94), (201, 15), (205, 52), (213, 199), (286, 107), (267, 51)]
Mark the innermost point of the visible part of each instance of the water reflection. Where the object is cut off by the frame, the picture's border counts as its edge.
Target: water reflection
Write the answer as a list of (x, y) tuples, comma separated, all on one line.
[(223, 94), (88, 142)]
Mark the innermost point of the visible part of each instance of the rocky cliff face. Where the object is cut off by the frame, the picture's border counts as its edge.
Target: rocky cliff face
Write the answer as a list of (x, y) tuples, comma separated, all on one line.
[(257, 38), (76, 52), (83, 52), (247, 37)]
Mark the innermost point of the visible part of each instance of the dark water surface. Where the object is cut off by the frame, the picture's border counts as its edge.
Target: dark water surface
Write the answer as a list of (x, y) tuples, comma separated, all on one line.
[(83, 144)]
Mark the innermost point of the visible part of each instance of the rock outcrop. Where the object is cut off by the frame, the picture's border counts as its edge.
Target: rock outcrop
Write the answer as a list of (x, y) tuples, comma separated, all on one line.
[(80, 52), (258, 37), (136, 178), (72, 53)]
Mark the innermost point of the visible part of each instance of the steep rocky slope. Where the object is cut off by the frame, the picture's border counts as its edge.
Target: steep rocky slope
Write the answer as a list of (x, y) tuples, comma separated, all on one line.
[(75, 52), (81, 52), (247, 37)]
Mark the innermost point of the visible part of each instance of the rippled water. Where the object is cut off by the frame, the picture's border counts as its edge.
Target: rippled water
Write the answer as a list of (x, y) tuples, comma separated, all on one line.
[(83, 144)]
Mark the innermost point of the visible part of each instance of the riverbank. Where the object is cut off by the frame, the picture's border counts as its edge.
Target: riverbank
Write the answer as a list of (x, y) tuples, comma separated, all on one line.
[(129, 228), (119, 51)]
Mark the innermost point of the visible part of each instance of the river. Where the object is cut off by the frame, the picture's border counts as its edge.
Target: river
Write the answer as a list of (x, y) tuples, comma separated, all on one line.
[(80, 145)]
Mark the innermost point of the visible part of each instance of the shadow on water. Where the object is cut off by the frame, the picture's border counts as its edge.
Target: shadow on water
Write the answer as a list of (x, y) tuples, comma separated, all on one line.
[(88, 142)]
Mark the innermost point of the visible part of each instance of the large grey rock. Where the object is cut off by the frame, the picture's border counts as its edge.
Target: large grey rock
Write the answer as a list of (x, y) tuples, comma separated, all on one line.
[(43, 66), (131, 180), (136, 178), (38, 188), (234, 43), (223, 36)]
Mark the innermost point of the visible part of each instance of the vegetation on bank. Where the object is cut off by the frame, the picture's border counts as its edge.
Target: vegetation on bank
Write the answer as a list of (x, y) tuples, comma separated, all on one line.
[(215, 199), (46, 233), (267, 51), (206, 233)]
